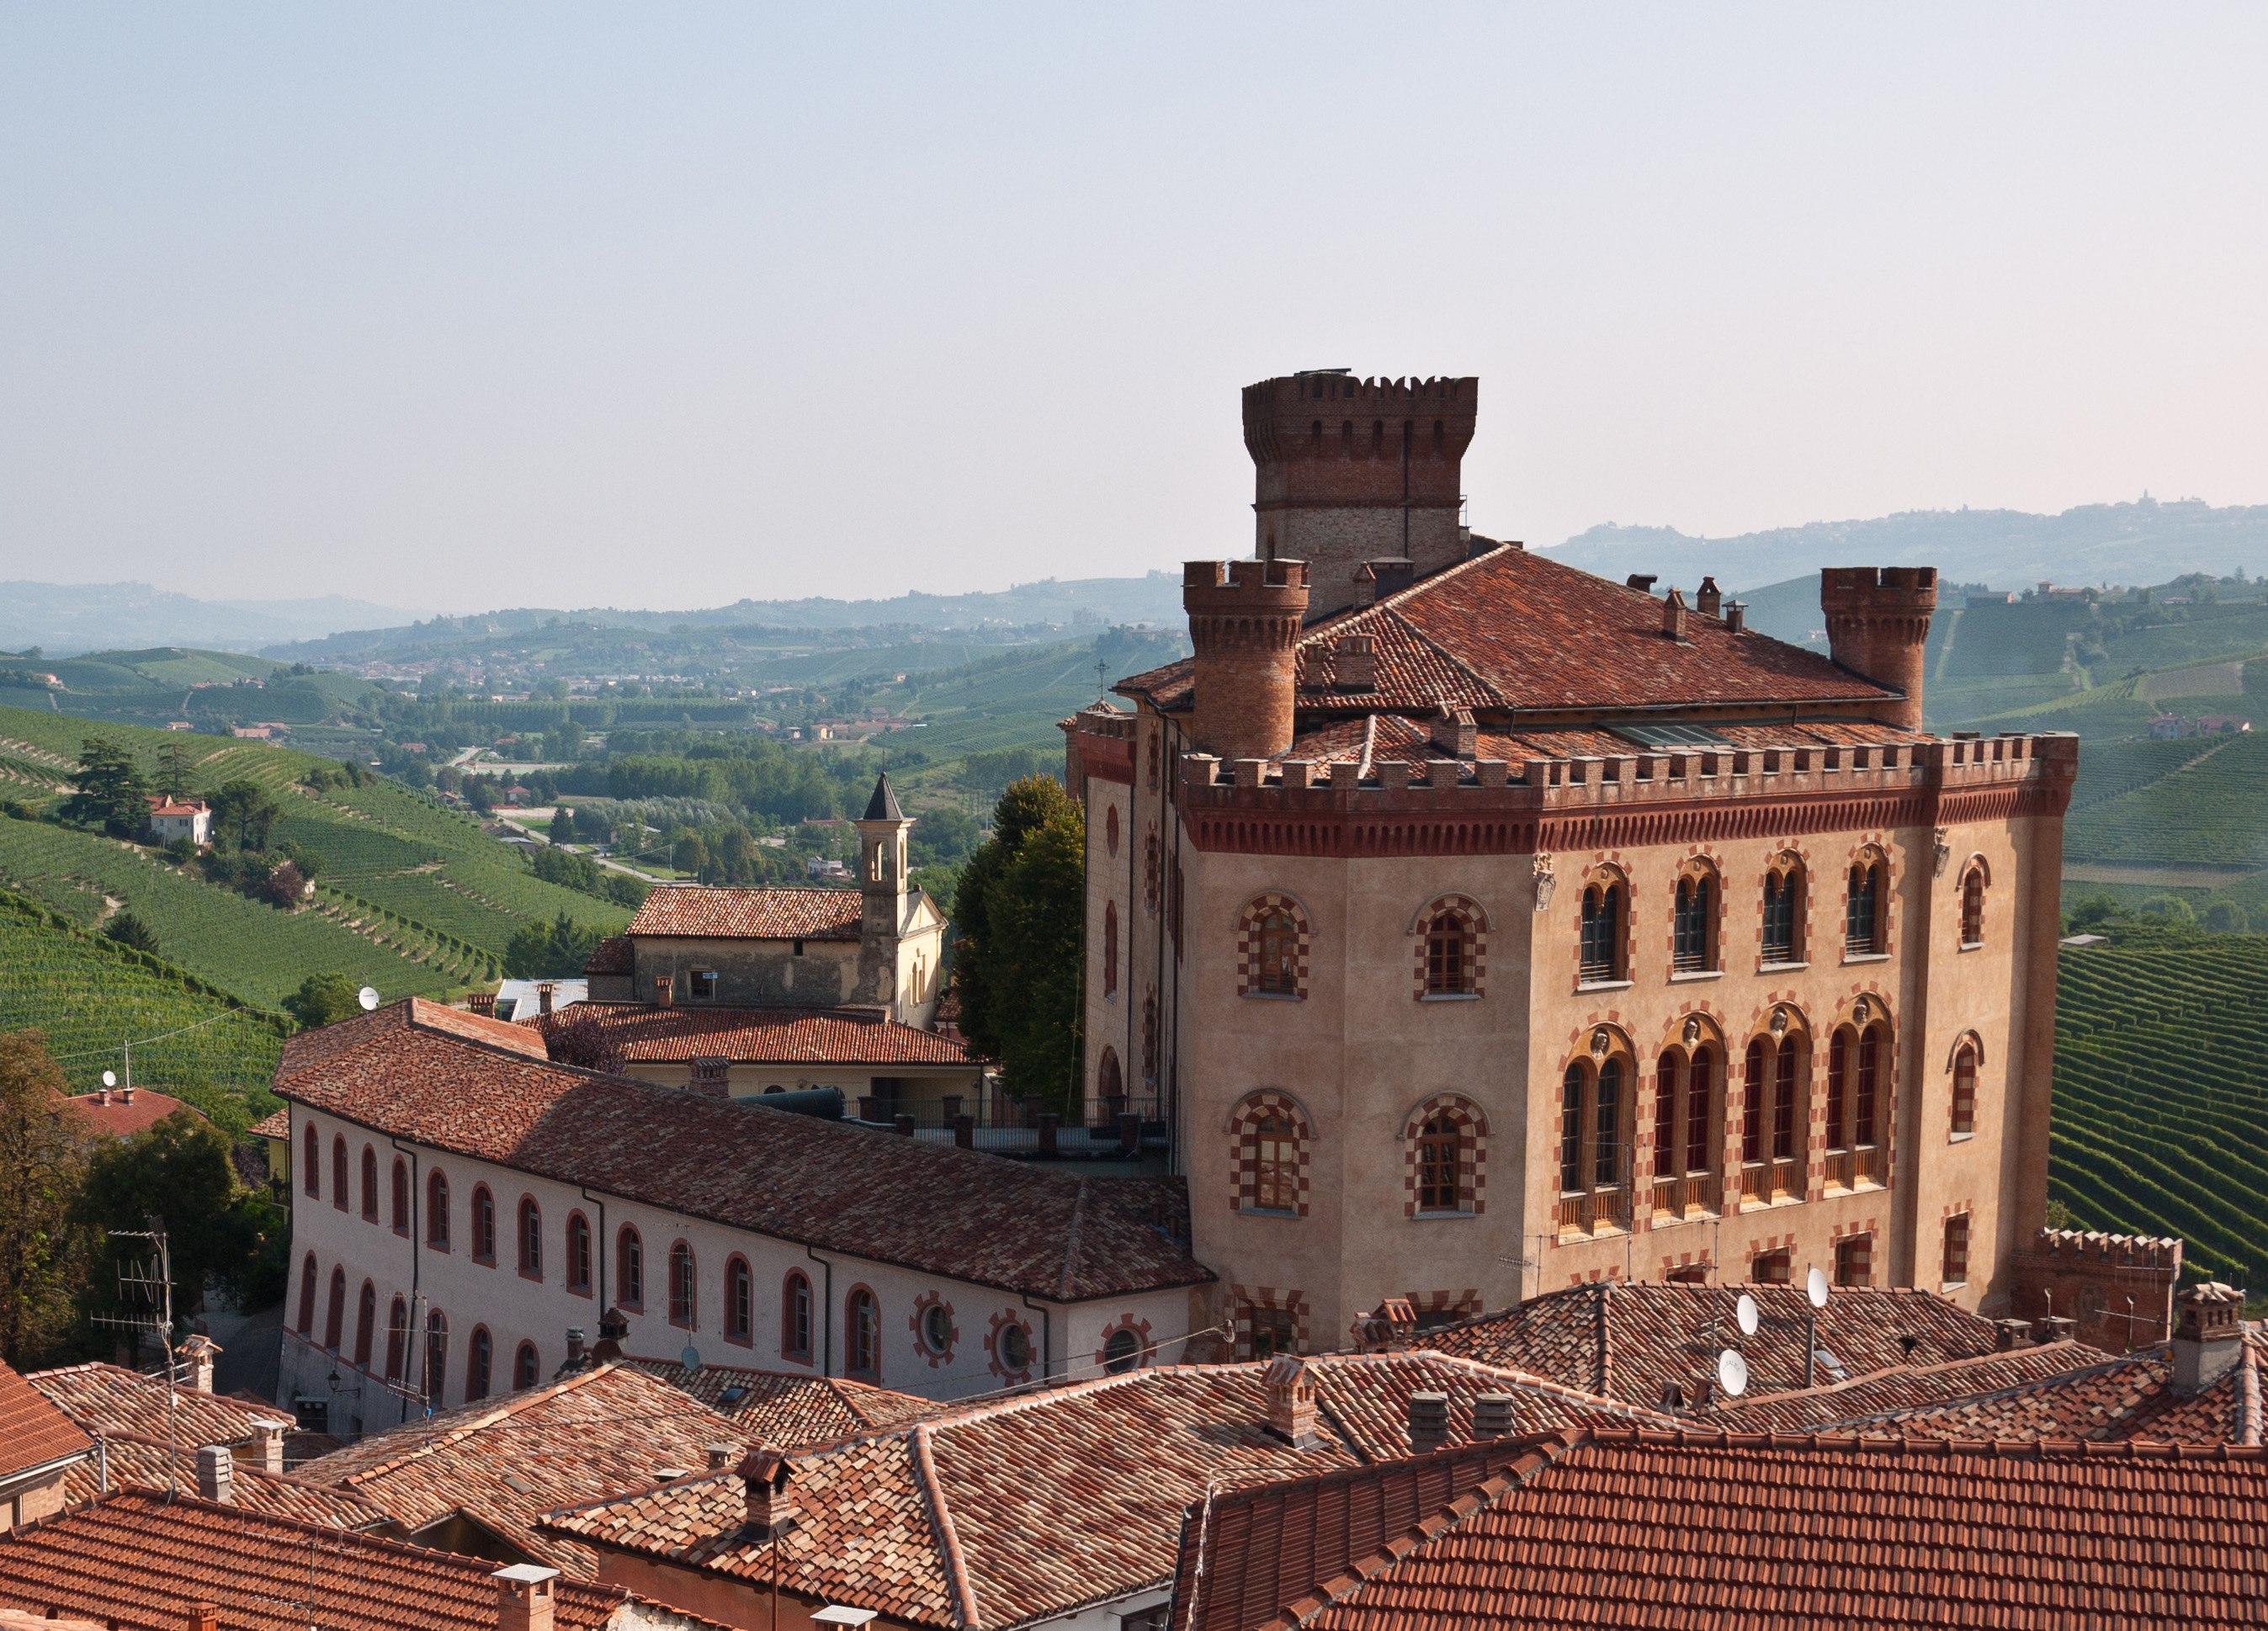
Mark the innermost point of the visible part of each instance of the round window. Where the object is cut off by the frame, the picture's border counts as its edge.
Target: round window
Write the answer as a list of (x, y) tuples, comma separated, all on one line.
[(1121, 1351), (937, 1329), (1015, 1347)]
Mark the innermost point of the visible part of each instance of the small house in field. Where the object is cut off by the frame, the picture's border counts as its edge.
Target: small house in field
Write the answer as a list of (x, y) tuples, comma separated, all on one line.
[(171, 818)]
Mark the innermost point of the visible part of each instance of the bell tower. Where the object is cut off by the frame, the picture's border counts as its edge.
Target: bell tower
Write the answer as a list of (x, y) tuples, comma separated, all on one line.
[(883, 873)]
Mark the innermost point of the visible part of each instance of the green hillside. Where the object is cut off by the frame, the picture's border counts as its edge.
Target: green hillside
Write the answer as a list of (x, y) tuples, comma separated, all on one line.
[(2205, 809), (2162, 1095), (208, 688)]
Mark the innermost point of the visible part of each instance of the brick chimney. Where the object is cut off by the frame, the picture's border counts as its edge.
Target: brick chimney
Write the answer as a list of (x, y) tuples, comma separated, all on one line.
[(2209, 1337), (1455, 734), (1429, 1421), (1382, 580), (1673, 617), (720, 1456), (198, 1353), (205, 1617), (1244, 622), (2012, 1334), (664, 989), (1291, 1392), (215, 1472), (544, 991), (1709, 600), (523, 1597), (1877, 621), (1357, 663), (1736, 616), (771, 1506), (1493, 1416), (106, 1098), (268, 1443), (614, 1328)]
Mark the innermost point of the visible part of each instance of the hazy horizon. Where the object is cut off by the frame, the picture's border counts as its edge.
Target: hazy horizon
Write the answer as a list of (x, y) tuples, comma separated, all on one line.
[(537, 306)]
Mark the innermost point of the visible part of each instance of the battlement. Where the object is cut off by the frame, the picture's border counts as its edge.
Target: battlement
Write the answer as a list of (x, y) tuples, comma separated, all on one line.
[(1200, 576), (2119, 1288), (2062, 1246)]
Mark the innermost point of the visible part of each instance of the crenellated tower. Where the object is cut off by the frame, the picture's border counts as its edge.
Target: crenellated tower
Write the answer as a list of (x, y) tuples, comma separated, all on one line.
[(1244, 622), (1347, 470), (1877, 623)]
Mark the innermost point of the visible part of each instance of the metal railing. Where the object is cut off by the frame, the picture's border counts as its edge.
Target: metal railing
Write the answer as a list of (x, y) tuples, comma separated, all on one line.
[(1858, 1167), (1588, 1212), (1014, 1128), (1694, 1195)]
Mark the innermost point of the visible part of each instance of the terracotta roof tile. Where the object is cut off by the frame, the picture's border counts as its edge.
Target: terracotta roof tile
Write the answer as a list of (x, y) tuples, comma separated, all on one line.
[(614, 955), (145, 1462), (1612, 1527), (33, 1432), (642, 1030), (143, 1562), (275, 1125), (110, 1398), (750, 914), (791, 1410), (794, 1177), (119, 1119), (1058, 1498)]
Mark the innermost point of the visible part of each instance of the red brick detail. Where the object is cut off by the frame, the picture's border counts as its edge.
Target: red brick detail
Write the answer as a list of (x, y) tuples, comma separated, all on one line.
[(1474, 920), (1244, 1299), (1141, 1330), (1257, 912), (1472, 1152), (922, 1350), (1002, 1318), (1244, 1149)]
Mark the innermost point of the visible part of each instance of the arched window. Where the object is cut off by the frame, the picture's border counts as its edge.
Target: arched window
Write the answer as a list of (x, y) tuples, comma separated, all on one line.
[(1972, 907), (1110, 947), (740, 1301), (1783, 933), (365, 1324), (479, 1352), (1438, 1143), (681, 1284), (1279, 955), (306, 1321), (1110, 831), (437, 1352), (863, 1335), (1279, 1170), (1775, 1113), (397, 1339), (1668, 1071), (1692, 941), (1602, 933), (484, 1230), (630, 1268), (1272, 948), (311, 1160), (1854, 1067), (401, 1196), (1964, 1091), (1110, 1082), (334, 1311), (795, 1318), (1595, 1138), (1121, 1351), (1447, 1156), (1268, 1142), (437, 1211), (579, 1253), (1703, 1082), (339, 1173), (1863, 922), (1752, 1104), (1447, 967), (531, 1237), (526, 1369), (369, 1184)]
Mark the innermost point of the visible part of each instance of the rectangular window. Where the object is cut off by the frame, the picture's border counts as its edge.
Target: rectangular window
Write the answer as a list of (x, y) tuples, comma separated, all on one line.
[(1606, 1156), (1272, 1332), (1690, 951), (1784, 1106), (1862, 1125), (1779, 918), (1855, 1261), (1770, 1269), (1570, 1131), (1957, 1249), (1665, 1118), (1437, 1166), (1858, 925), (1698, 1158), (703, 985)]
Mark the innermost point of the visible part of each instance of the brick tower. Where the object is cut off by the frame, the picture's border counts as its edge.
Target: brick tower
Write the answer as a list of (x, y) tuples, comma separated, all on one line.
[(1244, 622), (1877, 623), (882, 880), (1347, 470)]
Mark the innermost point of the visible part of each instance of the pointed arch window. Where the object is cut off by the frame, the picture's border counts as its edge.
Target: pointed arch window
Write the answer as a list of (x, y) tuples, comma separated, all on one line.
[(479, 1352), (1595, 1144), (1694, 925), (526, 1369), (1856, 1061), (334, 1313), (401, 1197), (369, 1185), (311, 1162), (437, 1211), (1972, 908), (339, 1173), (795, 1318), (579, 1253), (1783, 935), (1863, 918), (436, 1352), (680, 1285), (1685, 1110), (740, 1302), (365, 1324), (1964, 1091), (630, 1268), (863, 1321), (1601, 951), (485, 1227), (397, 1339)]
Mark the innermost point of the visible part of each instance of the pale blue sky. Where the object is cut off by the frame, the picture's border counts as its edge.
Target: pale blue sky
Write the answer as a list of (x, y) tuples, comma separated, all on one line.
[(460, 307)]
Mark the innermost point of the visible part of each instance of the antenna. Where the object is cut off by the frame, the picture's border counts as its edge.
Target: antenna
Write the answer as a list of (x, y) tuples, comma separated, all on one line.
[(1814, 1289), (1745, 1314), (1814, 1292), (154, 1281), (368, 996), (1733, 1372)]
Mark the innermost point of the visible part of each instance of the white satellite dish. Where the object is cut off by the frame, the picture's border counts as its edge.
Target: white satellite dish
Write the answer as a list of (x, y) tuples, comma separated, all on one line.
[(1745, 1314), (1814, 1289), (368, 998), (1733, 1372), (109, 1078)]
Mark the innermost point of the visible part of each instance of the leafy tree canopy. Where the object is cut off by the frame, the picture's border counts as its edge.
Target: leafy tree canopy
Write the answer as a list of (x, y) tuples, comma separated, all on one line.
[(111, 791), (554, 950), (247, 809), (323, 999), (1020, 911), (129, 930), (178, 1171), (39, 1168)]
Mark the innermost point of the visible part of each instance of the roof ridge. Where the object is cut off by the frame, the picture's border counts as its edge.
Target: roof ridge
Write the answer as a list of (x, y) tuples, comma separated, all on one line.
[(948, 1536), (2090, 1368), (1983, 1396), (1899, 1443), (511, 1405)]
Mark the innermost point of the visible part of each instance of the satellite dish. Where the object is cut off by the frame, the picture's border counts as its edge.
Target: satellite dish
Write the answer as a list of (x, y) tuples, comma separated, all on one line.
[(691, 1358), (368, 998), (109, 1078), (1814, 1289), (1744, 1313), (1733, 1372)]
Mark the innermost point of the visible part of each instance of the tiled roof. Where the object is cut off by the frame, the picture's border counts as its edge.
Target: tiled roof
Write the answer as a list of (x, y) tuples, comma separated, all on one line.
[(33, 1432), (1055, 1499), (1631, 1340), (119, 1119), (143, 1462), (1617, 1527), (506, 1462), (1513, 629), (750, 914), (308, 1049), (958, 1213), (791, 1410), (614, 955), (110, 1398), (275, 1125), (644, 1030), (143, 1562)]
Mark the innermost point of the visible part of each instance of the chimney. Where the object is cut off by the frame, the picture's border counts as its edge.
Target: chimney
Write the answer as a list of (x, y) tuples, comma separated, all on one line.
[(2054, 1328), (1375, 580), (1244, 624), (268, 1443), (523, 1597), (771, 1505), (669, 1475), (1291, 1393), (1492, 1415), (205, 1617), (719, 1455), (575, 1345), (2209, 1337), (614, 1327), (1673, 617), (1429, 1421), (543, 995), (199, 1351), (215, 1472), (2012, 1334), (663, 989), (1642, 581), (127, 1092), (1736, 616), (1357, 663), (1708, 599), (106, 1098), (1454, 733)]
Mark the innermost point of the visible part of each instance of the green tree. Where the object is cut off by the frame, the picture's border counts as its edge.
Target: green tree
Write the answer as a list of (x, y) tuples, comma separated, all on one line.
[(248, 809), (2172, 908), (554, 950), (563, 825), (128, 930), (323, 999), (2225, 916), (1017, 948), (174, 770), (41, 1168), (178, 1171), (111, 791)]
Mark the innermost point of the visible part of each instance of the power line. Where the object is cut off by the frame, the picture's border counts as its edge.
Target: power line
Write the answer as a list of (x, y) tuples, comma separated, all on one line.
[(160, 1036)]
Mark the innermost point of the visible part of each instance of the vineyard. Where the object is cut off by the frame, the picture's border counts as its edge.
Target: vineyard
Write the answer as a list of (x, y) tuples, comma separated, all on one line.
[(2207, 813), (2161, 1095), (90, 997)]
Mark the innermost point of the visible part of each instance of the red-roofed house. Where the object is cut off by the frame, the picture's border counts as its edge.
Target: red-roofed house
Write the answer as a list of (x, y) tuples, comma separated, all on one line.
[(171, 818), (119, 1112), (39, 1447)]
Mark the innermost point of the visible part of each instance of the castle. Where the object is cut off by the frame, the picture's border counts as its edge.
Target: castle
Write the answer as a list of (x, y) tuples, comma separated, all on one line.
[(1482, 926)]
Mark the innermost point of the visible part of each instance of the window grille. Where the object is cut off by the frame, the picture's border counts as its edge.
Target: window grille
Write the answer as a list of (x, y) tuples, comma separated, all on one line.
[(1956, 1248), (1972, 909), (1438, 1146), (1691, 946), (1964, 1091)]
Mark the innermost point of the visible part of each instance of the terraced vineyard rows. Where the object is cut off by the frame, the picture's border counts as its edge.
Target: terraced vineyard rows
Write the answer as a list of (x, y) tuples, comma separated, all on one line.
[(2107, 770), (2210, 814), (2161, 1095)]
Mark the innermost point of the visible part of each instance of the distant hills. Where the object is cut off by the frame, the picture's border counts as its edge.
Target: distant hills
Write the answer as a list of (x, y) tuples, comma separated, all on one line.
[(64, 619)]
